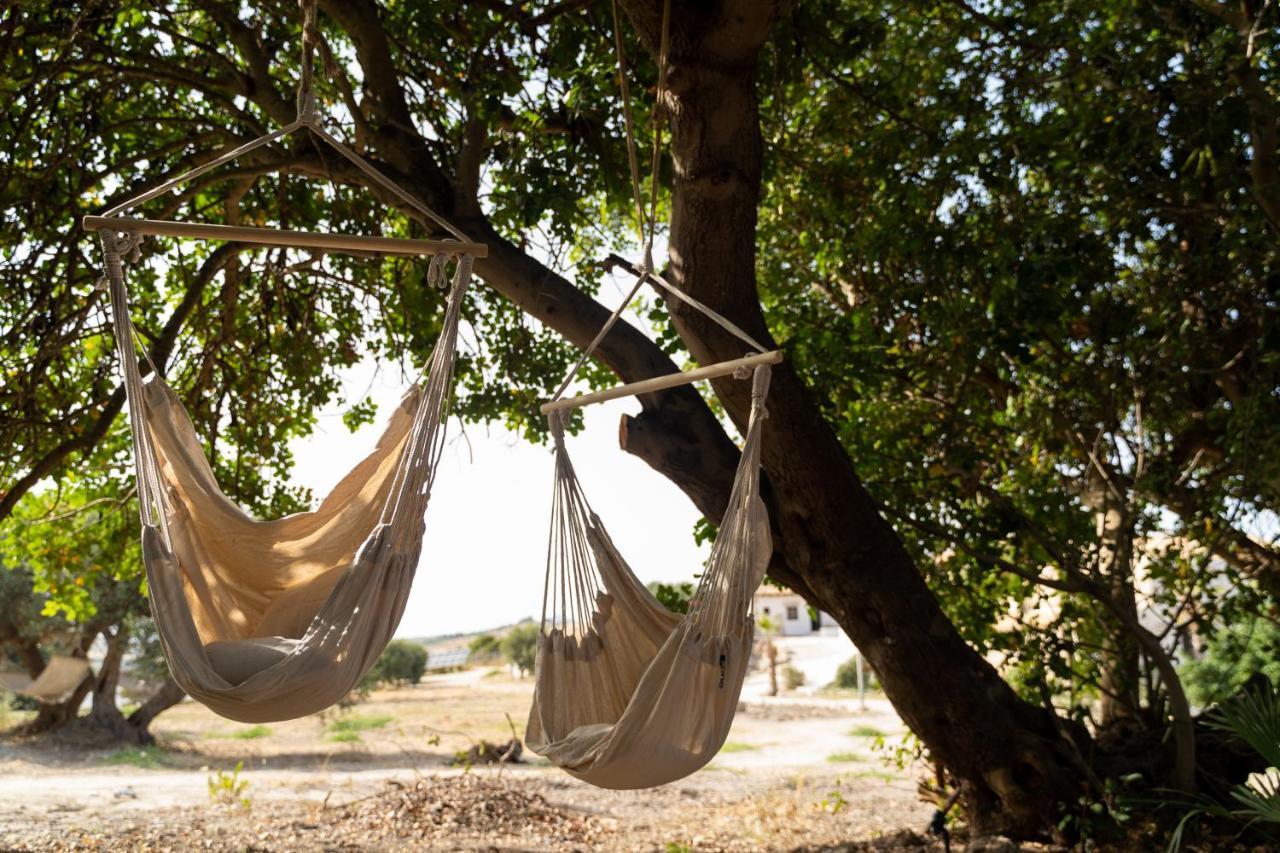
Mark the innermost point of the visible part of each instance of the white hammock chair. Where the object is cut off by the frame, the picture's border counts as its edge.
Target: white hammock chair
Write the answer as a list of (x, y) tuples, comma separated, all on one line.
[(628, 694), (272, 620)]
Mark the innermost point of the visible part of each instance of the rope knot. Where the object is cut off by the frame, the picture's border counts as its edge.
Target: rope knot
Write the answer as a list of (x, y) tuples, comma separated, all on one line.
[(128, 246), (646, 264), (437, 272)]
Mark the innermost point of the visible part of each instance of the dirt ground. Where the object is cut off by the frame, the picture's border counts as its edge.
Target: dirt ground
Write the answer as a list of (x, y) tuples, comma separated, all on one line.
[(803, 774)]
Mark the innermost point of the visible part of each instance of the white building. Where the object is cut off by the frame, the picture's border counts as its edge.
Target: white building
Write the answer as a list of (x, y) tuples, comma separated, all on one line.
[(791, 614)]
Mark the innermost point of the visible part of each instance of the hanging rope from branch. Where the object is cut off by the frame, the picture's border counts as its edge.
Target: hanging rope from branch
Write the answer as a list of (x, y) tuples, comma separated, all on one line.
[(306, 88), (646, 223)]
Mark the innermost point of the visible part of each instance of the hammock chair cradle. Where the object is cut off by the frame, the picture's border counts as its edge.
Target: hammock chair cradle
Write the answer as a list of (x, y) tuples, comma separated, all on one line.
[(272, 620)]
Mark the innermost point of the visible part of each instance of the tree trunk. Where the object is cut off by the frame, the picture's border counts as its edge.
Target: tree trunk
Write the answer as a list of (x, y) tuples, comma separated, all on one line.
[(166, 697), (1121, 676), (104, 713), (832, 544)]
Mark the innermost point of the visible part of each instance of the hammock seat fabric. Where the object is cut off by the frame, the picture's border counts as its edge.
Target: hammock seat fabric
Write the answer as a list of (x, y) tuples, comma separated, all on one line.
[(272, 620), (58, 681), (628, 694)]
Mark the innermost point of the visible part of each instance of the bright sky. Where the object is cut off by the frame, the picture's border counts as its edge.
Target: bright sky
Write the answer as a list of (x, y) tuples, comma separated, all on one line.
[(485, 549)]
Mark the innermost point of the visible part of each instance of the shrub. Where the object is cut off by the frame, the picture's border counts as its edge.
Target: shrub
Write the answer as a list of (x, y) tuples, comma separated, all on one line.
[(1232, 656), (847, 675), (792, 677), (520, 646), (484, 647), (403, 662)]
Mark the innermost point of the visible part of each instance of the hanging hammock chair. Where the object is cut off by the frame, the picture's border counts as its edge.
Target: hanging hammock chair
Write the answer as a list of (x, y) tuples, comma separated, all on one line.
[(628, 694), (272, 620)]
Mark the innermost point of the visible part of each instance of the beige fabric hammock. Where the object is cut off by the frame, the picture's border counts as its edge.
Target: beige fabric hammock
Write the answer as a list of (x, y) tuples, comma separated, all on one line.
[(272, 620), (627, 694), (58, 680)]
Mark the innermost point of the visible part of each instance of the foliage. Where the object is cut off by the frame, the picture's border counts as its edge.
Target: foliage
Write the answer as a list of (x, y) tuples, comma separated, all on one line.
[(520, 646), (673, 596), (1040, 291), (1232, 656), (847, 676), (228, 789), (401, 662), (484, 647), (1254, 718), (792, 677)]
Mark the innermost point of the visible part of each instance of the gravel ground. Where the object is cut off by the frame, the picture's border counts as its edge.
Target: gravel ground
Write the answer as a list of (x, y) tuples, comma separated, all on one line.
[(485, 811)]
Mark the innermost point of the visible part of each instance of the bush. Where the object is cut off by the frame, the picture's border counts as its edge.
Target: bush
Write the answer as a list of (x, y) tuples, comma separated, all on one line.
[(484, 647), (520, 646), (403, 662), (847, 675), (792, 677), (1232, 656)]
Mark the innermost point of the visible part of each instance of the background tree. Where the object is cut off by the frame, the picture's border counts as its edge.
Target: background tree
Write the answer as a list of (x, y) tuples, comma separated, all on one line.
[(1022, 261), (520, 646), (401, 662)]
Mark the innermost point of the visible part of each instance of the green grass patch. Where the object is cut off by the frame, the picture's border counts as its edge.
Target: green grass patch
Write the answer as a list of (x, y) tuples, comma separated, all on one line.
[(843, 757), (345, 737), (359, 722), (733, 746), (251, 733), (865, 731), (145, 757)]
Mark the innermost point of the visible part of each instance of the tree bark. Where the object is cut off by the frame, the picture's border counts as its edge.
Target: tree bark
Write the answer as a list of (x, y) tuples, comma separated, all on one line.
[(832, 544), (104, 712), (166, 697)]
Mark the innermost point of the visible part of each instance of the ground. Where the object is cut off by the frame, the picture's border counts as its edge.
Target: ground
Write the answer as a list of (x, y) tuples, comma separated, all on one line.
[(798, 773)]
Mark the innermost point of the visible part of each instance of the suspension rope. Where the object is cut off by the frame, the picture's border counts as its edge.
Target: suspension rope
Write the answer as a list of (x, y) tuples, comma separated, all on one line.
[(646, 223), (310, 118)]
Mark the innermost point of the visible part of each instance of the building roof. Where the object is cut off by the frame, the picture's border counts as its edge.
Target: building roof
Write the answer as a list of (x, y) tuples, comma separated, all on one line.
[(770, 591)]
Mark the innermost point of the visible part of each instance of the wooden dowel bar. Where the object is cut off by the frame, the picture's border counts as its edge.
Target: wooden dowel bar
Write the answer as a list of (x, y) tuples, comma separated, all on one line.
[(356, 243), (660, 383)]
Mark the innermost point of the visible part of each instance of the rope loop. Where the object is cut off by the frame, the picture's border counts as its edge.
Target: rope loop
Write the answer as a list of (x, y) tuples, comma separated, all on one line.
[(437, 270)]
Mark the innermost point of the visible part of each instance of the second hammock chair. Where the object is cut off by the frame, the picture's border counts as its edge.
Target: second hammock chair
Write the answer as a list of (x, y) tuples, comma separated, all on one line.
[(628, 694), (272, 620)]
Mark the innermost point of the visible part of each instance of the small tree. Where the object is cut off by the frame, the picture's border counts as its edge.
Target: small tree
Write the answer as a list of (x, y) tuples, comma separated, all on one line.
[(484, 647), (403, 662), (520, 646)]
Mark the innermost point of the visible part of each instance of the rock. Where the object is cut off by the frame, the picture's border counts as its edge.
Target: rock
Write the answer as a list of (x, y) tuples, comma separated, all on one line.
[(991, 844)]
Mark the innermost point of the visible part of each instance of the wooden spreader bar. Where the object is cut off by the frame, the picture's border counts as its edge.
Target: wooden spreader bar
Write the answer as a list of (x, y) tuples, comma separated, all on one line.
[(659, 383), (277, 237)]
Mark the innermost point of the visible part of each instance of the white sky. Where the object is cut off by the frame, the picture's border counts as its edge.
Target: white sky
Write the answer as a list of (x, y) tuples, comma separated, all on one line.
[(485, 548)]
